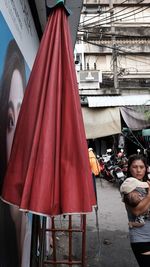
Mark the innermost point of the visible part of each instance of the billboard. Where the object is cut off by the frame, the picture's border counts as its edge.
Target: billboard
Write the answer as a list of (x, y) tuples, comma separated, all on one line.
[(18, 47), (18, 17)]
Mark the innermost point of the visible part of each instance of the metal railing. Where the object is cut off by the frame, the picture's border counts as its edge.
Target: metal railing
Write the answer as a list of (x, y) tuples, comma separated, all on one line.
[(54, 260)]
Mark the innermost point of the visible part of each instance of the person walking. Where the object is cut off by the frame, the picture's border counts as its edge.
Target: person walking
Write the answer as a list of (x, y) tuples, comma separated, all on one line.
[(95, 168), (139, 236)]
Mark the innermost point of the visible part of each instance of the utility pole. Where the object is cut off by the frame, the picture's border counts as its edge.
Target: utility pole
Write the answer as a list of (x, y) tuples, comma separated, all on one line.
[(114, 52)]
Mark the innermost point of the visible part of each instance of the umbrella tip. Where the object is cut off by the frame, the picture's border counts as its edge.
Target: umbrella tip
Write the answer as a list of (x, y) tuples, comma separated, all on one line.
[(51, 4), (59, 1)]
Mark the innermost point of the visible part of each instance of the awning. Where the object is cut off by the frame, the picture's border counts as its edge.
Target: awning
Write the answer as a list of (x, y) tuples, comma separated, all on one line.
[(118, 101), (135, 117), (100, 122)]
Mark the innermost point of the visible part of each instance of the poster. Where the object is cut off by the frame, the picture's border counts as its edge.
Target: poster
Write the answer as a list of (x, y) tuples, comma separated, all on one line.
[(18, 47), (18, 17)]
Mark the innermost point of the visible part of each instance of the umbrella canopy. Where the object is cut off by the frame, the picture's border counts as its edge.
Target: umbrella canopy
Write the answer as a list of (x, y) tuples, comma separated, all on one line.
[(48, 171)]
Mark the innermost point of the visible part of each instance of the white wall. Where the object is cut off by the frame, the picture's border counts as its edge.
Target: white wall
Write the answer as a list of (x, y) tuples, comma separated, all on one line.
[(20, 22)]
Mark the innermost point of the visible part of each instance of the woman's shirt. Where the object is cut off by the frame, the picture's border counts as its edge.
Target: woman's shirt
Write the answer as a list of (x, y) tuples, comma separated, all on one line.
[(142, 233)]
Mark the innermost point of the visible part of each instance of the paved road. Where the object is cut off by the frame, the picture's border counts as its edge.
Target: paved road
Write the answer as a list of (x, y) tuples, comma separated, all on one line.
[(113, 239)]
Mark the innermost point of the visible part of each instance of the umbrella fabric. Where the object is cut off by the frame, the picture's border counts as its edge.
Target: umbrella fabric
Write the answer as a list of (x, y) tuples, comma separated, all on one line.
[(48, 171)]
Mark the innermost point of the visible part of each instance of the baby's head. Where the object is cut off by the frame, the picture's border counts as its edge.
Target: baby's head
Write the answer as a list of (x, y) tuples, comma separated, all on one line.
[(130, 195), (133, 198), (131, 184)]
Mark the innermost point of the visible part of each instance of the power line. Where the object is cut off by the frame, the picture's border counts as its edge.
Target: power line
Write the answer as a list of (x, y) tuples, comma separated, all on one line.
[(116, 35), (105, 19), (117, 19), (117, 49), (108, 17), (134, 142), (133, 11), (127, 51), (120, 17), (108, 11)]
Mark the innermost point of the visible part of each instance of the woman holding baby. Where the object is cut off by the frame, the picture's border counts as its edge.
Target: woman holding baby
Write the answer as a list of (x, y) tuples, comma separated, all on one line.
[(135, 191)]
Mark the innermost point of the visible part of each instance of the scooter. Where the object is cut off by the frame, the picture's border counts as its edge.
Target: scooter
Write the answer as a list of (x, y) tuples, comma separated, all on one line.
[(122, 161), (108, 165), (102, 167), (118, 175)]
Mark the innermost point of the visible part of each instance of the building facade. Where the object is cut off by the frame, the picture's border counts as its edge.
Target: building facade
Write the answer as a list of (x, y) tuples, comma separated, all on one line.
[(112, 56), (114, 39)]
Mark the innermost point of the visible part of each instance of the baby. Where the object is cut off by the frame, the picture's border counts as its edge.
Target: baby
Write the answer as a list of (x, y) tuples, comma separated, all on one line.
[(133, 193), (133, 199)]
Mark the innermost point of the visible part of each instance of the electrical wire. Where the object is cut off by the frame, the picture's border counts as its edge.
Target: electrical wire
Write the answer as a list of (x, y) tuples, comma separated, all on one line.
[(119, 36), (126, 136), (133, 11), (108, 11), (117, 49), (135, 60), (129, 38), (136, 143), (111, 47), (109, 17), (116, 35)]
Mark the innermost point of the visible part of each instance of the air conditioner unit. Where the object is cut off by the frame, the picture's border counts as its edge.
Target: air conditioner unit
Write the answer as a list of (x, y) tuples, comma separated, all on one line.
[(89, 79), (90, 76), (92, 1)]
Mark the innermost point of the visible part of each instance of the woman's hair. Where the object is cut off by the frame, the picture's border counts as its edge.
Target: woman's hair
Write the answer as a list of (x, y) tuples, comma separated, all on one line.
[(137, 157), (13, 60)]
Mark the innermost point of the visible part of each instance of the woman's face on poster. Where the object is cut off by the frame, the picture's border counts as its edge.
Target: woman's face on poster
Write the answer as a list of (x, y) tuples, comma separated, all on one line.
[(14, 104)]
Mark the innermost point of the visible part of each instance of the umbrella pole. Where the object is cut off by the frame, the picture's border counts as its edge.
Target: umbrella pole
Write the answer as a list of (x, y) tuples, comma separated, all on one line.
[(34, 240), (42, 242), (70, 239), (54, 240), (83, 240)]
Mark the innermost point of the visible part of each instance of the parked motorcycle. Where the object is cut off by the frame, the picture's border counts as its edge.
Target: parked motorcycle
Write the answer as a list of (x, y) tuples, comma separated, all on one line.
[(108, 165), (118, 175), (102, 167), (122, 161), (115, 168)]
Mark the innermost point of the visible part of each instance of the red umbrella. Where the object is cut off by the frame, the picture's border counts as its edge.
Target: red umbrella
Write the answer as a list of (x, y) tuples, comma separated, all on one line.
[(48, 172)]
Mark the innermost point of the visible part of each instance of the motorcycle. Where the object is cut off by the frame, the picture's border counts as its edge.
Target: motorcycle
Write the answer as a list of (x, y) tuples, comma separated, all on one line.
[(122, 161), (108, 165), (115, 168), (118, 175), (101, 164)]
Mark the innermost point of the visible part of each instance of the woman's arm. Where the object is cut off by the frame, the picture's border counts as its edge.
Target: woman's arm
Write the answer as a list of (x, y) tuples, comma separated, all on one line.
[(143, 206)]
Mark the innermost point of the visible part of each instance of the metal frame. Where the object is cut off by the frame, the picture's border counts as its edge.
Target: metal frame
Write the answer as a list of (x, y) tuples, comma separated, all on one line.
[(54, 261)]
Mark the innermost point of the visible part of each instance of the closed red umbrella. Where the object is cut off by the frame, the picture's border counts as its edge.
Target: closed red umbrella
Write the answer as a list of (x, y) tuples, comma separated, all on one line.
[(48, 171)]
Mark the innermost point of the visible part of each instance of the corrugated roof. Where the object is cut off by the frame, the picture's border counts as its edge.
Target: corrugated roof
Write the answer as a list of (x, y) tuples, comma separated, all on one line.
[(118, 101)]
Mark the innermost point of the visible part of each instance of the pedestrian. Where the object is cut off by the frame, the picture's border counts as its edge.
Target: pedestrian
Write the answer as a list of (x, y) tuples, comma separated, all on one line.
[(94, 164), (139, 236), (95, 168)]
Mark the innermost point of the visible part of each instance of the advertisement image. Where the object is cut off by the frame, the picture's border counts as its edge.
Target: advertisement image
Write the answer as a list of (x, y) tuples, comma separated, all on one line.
[(15, 226)]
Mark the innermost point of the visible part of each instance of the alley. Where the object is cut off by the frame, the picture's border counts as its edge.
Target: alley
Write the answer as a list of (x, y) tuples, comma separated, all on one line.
[(111, 246)]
